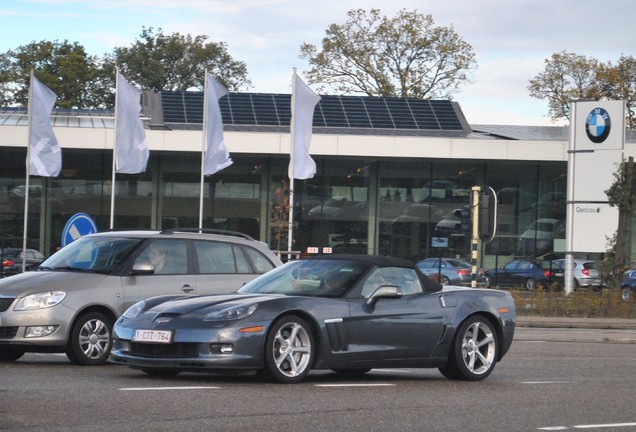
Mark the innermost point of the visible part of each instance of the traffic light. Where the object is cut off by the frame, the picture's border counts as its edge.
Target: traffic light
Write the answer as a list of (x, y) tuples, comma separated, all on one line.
[(487, 214), (465, 219)]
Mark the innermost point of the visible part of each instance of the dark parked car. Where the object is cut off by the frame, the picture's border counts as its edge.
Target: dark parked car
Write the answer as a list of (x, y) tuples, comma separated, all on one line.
[(628, 285), (451, 272), (526, 273), (12, 259), (69, 304), (346, 313)]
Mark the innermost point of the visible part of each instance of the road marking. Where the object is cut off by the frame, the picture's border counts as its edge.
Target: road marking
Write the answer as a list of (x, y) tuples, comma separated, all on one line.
[(168, 388), (546, 382), (588, 426), (356, 385)]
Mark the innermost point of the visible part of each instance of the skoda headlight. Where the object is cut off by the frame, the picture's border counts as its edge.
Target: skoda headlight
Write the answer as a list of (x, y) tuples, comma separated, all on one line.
[(134, 310), (40, 300), (231, 313)]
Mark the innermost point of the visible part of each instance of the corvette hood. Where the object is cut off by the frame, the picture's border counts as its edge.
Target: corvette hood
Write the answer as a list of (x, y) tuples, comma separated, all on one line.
[(203, 305)]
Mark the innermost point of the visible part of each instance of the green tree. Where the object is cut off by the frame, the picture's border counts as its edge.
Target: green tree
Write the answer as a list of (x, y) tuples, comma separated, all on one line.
[(618, 82), (620, 195), (406, 56), (5, 83), (156, 61), (567, 77), (64, 67)]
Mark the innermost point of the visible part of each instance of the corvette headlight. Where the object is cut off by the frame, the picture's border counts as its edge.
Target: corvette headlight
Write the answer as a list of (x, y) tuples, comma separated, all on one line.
[(231, 313), (134, 310), (40, 300)]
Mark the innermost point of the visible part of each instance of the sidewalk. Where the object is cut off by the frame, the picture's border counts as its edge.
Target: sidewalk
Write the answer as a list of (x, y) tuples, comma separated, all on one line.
[(583, 323)]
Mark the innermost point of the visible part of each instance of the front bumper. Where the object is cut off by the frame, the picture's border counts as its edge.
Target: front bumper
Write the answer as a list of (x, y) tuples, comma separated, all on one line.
[(196, 350), (14, 325)]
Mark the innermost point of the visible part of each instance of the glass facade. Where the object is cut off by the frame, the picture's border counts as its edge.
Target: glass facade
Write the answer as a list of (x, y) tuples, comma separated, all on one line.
[(353, 205)]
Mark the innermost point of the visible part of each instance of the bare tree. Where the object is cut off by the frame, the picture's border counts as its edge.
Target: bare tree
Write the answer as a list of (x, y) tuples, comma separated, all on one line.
[(406, 56)]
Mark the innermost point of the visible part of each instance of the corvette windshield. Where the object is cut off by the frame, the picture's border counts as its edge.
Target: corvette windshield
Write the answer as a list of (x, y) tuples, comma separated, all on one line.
[(315, 277), (94, 254)]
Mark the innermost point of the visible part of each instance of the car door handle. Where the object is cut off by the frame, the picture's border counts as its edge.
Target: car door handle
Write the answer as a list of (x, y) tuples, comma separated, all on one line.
[(187, 288)]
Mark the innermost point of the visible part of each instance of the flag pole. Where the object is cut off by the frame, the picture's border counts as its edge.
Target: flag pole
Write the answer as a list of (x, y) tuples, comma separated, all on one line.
[(290, 227), (112, 186), (203, 145), (28, 169)]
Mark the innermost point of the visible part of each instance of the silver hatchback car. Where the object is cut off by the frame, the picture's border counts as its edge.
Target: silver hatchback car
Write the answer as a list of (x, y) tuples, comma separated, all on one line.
[(70, 303), (584, 272)]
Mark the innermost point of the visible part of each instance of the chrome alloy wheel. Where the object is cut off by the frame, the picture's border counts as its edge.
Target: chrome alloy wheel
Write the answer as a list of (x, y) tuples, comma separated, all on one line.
[(478, 348), (292, 349)]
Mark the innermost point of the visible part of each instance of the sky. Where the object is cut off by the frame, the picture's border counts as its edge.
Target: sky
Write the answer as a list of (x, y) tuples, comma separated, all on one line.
[(511, 38)]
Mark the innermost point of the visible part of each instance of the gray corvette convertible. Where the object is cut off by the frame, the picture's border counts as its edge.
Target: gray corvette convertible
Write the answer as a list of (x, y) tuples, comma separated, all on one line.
[(348, 314)]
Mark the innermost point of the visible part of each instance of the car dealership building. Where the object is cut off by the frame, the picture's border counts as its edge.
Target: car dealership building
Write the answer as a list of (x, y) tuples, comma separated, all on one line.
[(391, 173)]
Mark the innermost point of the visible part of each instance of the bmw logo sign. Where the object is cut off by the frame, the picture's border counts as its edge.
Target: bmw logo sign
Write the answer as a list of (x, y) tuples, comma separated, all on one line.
[(598, 125)]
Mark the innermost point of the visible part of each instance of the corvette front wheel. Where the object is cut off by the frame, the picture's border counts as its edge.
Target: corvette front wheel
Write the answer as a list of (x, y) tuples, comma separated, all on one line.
[(289, 350)]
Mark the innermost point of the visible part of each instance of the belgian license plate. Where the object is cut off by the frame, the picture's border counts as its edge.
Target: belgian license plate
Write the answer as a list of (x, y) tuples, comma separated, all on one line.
[(153, 336)]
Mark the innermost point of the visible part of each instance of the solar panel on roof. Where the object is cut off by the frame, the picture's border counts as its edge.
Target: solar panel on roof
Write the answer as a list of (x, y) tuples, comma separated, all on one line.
[(265, 109), (332, 112), (401, 113), (242, 109), (258, 109), (379, 113), (355, 111)]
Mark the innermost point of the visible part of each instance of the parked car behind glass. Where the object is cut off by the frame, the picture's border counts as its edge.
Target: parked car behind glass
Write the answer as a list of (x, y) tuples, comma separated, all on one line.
[(453, 271), (525, 273), (70, 303), (628, 285), (12, 259), (584, 272)]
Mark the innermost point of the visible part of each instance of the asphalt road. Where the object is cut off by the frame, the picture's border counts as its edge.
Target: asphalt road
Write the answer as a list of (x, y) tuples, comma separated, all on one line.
[(552, 379)]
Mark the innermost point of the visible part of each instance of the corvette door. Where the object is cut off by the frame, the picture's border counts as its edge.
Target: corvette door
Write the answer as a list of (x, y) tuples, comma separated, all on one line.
[(405, 327)]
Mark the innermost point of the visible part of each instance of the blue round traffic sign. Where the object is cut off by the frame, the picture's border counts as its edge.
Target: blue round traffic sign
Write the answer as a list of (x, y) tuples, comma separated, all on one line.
[(80, 224)]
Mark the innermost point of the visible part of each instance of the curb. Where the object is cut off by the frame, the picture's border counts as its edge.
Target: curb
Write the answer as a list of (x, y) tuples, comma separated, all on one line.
[(588, 323)]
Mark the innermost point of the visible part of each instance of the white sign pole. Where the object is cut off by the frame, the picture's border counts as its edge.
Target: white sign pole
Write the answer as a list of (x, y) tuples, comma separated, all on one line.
[(597, 139)]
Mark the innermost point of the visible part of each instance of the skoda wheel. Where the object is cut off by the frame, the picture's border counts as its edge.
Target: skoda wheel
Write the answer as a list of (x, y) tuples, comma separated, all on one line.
[(90, 340)]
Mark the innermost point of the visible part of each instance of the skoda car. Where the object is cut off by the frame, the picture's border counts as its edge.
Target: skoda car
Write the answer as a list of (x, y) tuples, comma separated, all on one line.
[(69, 304), (346, 313)]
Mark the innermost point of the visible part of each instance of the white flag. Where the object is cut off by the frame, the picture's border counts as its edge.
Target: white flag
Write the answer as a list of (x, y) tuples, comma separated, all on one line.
[(304, 101), (216, 154), (130, 137), (44, 155)]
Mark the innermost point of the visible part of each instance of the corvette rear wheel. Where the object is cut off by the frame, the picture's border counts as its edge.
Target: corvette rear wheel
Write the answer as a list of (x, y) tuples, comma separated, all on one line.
[(474, 352), (289, 350)]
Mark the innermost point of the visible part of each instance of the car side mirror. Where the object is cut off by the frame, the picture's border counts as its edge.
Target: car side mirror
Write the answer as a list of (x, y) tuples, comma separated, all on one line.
[(142, 268), (384, 291)]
